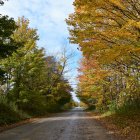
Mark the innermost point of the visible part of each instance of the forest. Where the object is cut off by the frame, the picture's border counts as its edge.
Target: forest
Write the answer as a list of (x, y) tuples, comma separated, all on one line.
[(108, 34), (35, 84), (31, 82)]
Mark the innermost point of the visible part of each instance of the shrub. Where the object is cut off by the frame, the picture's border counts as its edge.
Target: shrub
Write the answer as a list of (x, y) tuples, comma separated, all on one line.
[(9, 112), (129, 107)]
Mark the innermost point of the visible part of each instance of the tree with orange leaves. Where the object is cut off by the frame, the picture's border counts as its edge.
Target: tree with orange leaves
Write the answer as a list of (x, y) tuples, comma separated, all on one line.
[(109, 30)]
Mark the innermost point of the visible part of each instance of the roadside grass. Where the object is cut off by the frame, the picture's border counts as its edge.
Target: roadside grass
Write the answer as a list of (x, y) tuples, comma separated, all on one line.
[(126, 125)]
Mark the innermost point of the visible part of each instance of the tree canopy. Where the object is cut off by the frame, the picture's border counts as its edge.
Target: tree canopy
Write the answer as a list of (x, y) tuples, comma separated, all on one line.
[(31, 80), (108, 34)]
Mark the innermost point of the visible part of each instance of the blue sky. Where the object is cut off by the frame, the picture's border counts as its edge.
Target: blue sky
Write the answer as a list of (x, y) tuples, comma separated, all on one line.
[(48, 16)]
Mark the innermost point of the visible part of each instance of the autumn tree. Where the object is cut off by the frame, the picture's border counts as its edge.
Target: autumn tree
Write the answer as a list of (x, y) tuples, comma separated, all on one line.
[(58, 89), (108, 31)]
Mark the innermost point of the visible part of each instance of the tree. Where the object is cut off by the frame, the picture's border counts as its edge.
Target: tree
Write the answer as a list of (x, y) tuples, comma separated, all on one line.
[(24, 67), (7, 44), (1, 2), (34, 82), (109, 31), (58, 90)]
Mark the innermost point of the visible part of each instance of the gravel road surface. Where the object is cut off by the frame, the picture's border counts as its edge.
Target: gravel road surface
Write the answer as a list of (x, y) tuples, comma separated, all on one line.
[(72, 125)]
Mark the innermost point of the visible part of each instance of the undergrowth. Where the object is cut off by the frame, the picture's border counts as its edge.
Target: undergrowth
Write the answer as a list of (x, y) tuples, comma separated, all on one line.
[(125, 120), (9, 112)]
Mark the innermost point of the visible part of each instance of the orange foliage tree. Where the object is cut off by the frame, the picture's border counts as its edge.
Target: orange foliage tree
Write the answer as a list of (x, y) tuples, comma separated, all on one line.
[(108, 33)]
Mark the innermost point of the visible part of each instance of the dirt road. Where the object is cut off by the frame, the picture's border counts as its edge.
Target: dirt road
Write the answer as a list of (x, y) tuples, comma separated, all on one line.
[(73, 125)]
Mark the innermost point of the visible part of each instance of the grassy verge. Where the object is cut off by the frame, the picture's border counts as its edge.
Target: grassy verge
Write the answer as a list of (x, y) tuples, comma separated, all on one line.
[(125, 125)]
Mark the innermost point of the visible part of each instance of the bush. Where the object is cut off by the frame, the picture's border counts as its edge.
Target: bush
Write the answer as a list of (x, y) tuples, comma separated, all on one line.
[(9, 112), (67, 106), (35, 106), (91, 107), (130, 107), (112, 106)]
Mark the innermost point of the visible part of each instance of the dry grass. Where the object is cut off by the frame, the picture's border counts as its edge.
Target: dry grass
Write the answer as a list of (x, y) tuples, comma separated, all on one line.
[(126, 126)]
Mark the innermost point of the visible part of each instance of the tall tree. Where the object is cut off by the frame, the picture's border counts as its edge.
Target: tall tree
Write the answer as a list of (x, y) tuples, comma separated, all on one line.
[(110, 31), (7, 44), (34, 82)]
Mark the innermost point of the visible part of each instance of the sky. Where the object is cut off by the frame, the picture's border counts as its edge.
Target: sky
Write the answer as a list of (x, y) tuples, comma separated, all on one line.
[(48, 16)]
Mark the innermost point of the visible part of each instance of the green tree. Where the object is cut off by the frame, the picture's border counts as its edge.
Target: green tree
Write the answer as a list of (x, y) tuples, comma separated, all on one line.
[(25, 67), (7, 44), (34, 82)]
